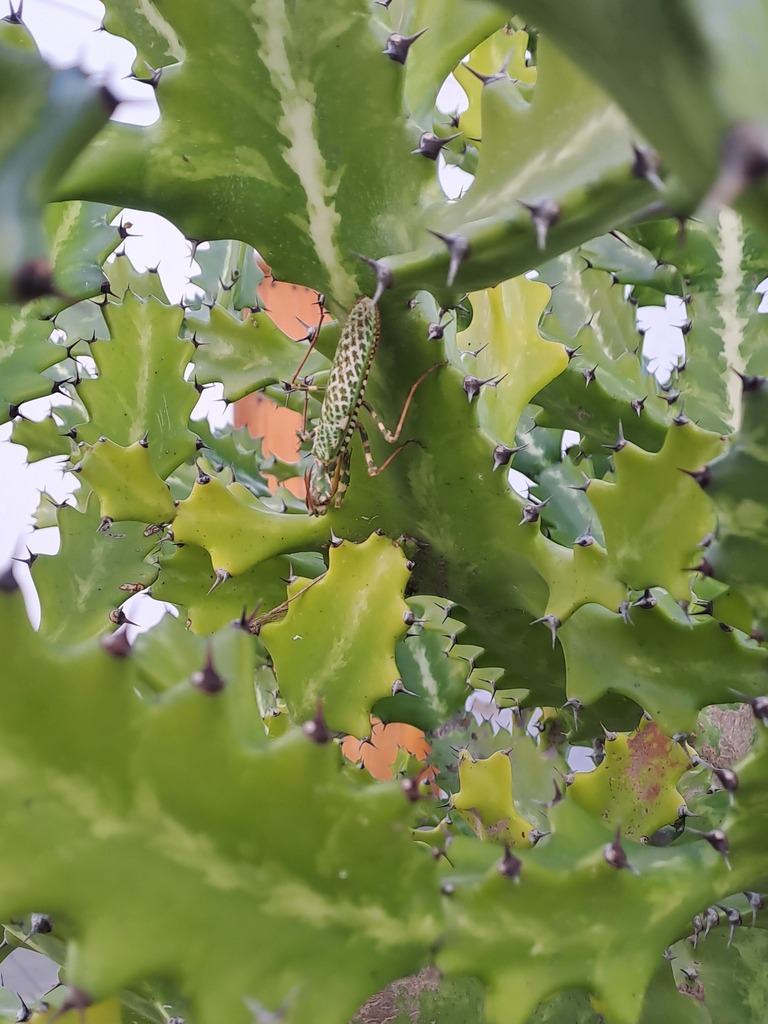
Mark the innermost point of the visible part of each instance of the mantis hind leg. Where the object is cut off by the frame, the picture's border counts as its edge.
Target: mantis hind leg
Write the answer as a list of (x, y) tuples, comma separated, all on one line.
[(373, 469), (392, 436)]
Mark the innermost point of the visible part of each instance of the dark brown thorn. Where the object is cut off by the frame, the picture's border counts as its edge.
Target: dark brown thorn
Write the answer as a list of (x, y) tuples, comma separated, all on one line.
[(502, 455), (589, 376), (316, 729), (398, 46), (382, 272), (532, 510), (614, 854), (543, 216), (743, 161), (638, 404), (701, 476), (510, 866), (431, 145), (621, 441), (646, 166), (647, 601), (207, 679), (458, 250)]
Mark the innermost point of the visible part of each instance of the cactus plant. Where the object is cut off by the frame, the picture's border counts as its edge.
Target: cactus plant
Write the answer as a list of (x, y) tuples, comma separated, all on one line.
[(183, 808)]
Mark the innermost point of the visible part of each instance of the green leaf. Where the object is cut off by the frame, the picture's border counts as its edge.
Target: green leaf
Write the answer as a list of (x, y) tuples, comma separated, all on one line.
[(293, 187), (721, 263), (80, 239), (579, 912), (301, 850), (41, 438), (485, 800), (238, 530), (577, 155), (126, 483), (188, 580), (25, 352), (348, 623), (50, 116), (738, 485), (651, 659), (512, 355), (634, 786), (140, 391), (81, 585), (653, 542), (246, 355)]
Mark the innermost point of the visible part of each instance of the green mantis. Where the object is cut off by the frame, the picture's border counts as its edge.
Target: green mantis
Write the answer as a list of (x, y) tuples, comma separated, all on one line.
[(328, 476)]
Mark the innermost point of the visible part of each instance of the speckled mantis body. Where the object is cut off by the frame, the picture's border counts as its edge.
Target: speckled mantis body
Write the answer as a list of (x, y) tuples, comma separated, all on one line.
[(328, 476)]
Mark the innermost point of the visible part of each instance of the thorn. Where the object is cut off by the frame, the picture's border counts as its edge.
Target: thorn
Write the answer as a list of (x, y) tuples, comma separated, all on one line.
[(116, 644), (118, 617), (576, 707), (202, 477), (620, 443), (155, 74), (759, 707), (543, 216), (502, 455), (681, 420), (40, 924), (431, 145), (29, 560), (581, 487), (743, 160), (316, 729), (718, 840), (398, 46), (613, 854), (532, 511), (623, 610), (638, 404), (472, 386), (335, 542), (510, 866), (586, 539), (702, 478), (207, 679), (589, 376), (646, 166), (23, 1013), (446, 888), (698, 928), (711, 920), (749, 384), (668, 396), (536, 835), (411, 789), (756, 903), (221, 576), (458, 250), (646, 602), (728, 779), (383, 275), (435, 332), (552, 623), (75, 999), (399, 687), (734, 920)]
